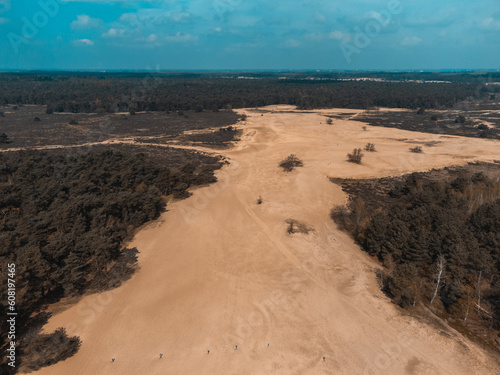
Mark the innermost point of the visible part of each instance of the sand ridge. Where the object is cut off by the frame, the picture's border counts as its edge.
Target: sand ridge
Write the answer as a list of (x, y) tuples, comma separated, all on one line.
[(219, 270)]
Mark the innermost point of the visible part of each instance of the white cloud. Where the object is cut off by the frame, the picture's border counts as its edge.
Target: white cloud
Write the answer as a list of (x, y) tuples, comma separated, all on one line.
[(4, 5), (411, 41), (113, 33), (292, 43), (83, 43), (85, 22), (179, 16), (129, 18), (339, 35), (3, 20), (151, 38), (218, 29), (320, 17), (181, 37), (315, 37), (490, 24)]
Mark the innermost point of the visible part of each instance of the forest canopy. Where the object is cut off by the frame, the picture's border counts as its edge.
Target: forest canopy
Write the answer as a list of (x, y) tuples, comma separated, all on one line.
[(439, 241), (112, 92)]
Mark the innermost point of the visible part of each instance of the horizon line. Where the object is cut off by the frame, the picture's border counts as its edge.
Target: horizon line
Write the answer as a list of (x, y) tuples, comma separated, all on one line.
[(312, 70)]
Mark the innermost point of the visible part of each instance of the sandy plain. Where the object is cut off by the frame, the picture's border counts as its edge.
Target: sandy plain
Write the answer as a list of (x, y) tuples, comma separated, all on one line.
[(219, 270)]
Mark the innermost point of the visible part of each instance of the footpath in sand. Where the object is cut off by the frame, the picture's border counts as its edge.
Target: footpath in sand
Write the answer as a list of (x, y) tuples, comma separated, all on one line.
[(219, 270)]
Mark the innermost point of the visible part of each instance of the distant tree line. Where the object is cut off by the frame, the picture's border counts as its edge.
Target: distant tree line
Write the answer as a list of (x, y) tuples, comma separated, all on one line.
[(63, 222), (439, 242), (199, 92)]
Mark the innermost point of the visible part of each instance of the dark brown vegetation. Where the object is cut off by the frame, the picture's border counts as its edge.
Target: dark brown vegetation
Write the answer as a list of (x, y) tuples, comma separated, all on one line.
[(40, 350), (4, 139), (355, 156), (64, 220), (291, 162), (465, 119), (438, 236), (151, 127), (136, 92), (416, 149), (221, 138)]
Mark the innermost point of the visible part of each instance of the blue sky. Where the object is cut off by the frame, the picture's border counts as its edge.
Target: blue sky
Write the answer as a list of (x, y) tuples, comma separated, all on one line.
[(249, 34)]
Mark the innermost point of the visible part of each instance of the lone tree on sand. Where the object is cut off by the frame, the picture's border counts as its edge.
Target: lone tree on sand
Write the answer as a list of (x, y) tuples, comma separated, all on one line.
[(290, 163), (356, 156)]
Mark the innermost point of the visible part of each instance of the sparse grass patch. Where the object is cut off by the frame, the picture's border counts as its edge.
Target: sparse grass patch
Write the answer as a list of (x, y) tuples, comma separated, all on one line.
[(329, 121), (260, 201), (291, 162), (416, 149), (295, 226)]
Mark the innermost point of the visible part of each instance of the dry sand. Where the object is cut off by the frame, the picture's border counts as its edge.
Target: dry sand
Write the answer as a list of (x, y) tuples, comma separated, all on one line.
[(219, 270)]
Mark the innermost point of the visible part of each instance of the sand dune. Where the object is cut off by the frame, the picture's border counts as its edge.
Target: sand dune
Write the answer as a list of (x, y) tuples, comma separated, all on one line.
[(218, 270)]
